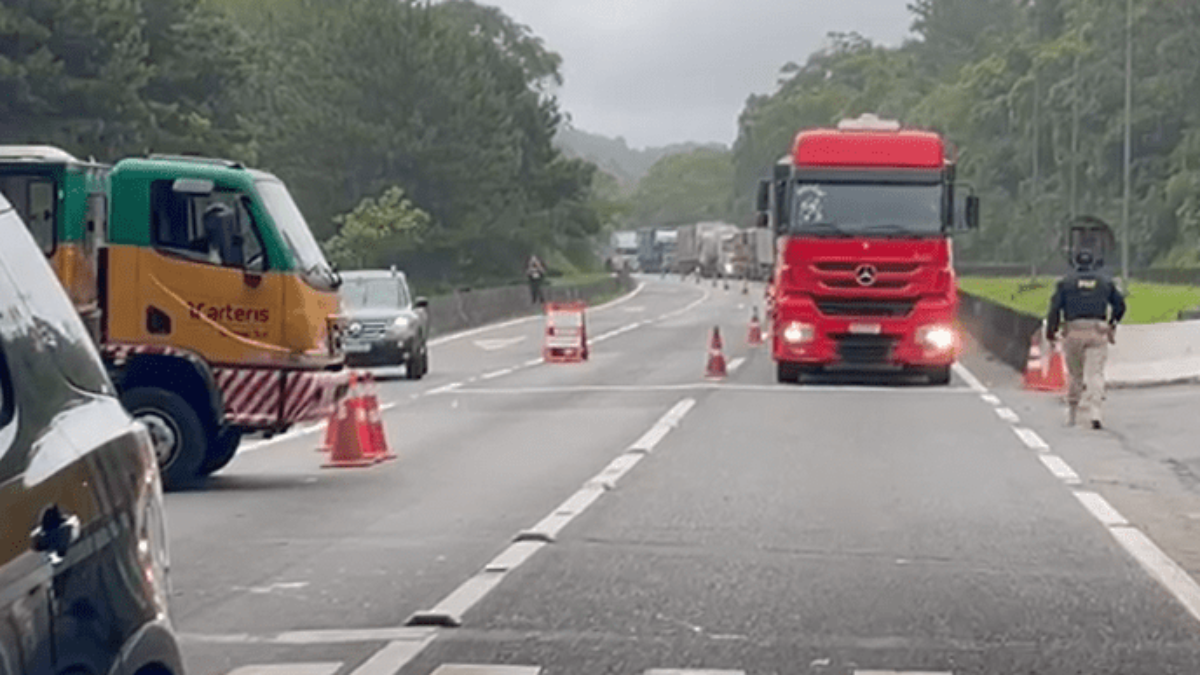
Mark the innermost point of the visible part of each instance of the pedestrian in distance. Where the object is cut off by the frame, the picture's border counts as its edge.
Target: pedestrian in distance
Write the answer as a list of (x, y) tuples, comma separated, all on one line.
[(1089, 305), (535, 272)]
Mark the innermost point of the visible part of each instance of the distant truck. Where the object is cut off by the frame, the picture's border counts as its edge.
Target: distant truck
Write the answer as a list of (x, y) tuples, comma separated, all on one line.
[(754, 254), (655, 246), (864, 214), (211, 303), (705, 249), (624, 250)]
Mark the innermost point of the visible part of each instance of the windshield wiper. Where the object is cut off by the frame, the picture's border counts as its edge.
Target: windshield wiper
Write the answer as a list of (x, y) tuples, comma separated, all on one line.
[(893, 228), (824, 226)]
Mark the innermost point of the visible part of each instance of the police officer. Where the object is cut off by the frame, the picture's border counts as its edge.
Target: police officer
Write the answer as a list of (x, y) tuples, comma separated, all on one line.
[(1082, 299)]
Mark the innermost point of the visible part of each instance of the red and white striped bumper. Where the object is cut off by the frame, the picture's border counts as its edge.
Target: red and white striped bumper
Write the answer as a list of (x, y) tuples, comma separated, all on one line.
[(276, 398)]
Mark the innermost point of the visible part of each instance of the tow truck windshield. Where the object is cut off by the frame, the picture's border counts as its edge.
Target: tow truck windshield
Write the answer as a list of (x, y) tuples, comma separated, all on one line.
[(866, 209), (299, 238)]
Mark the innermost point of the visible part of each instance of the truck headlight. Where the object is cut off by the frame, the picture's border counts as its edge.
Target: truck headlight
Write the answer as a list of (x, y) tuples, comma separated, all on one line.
[(799, 333), (401, 323), (940, 338)]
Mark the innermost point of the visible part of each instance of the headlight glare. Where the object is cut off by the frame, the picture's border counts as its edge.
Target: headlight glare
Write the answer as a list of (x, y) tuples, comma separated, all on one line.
[(940, 338), (798, 333)]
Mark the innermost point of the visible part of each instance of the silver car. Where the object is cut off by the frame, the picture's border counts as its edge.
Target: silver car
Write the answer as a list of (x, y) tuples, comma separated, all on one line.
[(384, 324)]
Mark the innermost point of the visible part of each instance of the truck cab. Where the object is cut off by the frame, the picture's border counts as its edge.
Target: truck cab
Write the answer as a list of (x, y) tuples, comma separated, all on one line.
[(865, 279)]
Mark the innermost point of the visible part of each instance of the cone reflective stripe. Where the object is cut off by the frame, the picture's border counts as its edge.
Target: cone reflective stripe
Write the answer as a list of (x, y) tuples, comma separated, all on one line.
[(378, 448), (1045, 369), (716, 359), (755, 334)]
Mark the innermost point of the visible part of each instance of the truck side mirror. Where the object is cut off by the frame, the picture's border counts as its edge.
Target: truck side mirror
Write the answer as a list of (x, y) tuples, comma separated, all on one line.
[(972, 212), (763, 201)]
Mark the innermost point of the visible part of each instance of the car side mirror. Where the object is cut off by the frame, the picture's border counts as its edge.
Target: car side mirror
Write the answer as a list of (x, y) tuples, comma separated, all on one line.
[(421, 303)]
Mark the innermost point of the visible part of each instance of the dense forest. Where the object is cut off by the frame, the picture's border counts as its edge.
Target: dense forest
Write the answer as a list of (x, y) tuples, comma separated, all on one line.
[(410, 133), (1033, 96)]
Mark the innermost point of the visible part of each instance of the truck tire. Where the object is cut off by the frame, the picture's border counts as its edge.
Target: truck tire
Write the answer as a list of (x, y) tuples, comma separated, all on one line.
[(787, 373), (938, 375), (180, 438), (221, 449)]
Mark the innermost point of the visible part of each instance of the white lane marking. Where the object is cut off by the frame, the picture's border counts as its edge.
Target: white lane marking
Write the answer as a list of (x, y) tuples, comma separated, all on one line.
[(691, 671), (806, 390), (636, 309), (280, 438), (1100, 509), (618, 467), (969, 377), (471, 669), (651, 438), (324, 637), (465, 597), (512, 557), (289, 669), (1160, 566), (736, 363), (533, 362), (498, 343), (688, 308), (902, 672), (445, 389), (1007, 415), (525, 319), (991, 398), (390, 659), (1030, 438), (497, 373), (1061, 470)]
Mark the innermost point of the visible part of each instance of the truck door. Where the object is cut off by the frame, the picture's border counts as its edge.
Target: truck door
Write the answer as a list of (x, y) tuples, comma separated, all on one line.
[(210, 275)]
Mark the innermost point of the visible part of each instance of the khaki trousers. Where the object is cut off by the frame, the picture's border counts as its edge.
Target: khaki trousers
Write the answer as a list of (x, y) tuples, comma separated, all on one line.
[(1086, 349)]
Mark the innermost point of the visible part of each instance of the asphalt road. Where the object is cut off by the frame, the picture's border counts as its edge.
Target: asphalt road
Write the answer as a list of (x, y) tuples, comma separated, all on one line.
[(663, 521)]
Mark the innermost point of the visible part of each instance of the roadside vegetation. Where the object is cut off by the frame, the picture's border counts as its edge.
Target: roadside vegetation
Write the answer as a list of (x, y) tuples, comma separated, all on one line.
[(1147, 303)]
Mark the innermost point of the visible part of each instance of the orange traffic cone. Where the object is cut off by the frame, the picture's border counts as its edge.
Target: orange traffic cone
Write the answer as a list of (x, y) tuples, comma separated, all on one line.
[(755, 336), (716, 359), (379, 449), (352, 438), (1045, 371)]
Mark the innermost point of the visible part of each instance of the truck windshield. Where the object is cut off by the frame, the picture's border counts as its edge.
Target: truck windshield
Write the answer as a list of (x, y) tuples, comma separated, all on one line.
[(295, 232), (858, 209)]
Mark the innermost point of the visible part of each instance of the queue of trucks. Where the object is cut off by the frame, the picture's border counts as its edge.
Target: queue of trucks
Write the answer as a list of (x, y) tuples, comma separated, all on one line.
[(205, 293)]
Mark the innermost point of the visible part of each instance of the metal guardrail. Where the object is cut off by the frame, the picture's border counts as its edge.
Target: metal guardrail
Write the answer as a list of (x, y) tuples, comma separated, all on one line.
[(1188, 276)]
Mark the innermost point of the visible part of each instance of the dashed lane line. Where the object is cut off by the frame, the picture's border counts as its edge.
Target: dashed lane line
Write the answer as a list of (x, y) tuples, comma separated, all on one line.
[(290, 669), (736, 363), (1060, 469), (1008, 415), (476, 669), (969, 377), (1031, 439)]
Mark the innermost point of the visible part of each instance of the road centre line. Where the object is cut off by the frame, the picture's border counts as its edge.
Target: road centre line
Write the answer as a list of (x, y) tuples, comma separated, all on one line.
[(1060, 469), (1161, 567), (706, 386), (1100, 509), (1031, 439), (497, 373), (992, 399), (384, 661), (1008, 415)]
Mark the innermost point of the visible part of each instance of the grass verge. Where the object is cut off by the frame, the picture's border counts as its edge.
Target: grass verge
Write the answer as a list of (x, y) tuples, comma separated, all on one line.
[(1148, 303)]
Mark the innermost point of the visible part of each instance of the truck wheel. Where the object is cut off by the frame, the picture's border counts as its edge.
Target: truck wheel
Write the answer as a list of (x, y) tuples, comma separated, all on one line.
[(787, 373), (179, 437), (939, 375), (221, 448)]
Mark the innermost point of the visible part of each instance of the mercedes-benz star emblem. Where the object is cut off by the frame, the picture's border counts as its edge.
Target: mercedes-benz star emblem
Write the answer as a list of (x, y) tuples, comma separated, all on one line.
[(865, 274), (355, 328)]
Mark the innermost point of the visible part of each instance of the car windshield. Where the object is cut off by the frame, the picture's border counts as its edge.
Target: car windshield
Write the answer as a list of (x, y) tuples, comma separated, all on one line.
[(852, 209), (295, 231), (372, 293)]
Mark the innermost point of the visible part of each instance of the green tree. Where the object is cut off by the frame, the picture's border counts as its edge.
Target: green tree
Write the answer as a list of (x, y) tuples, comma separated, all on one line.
[(378, 231), (685, 188)]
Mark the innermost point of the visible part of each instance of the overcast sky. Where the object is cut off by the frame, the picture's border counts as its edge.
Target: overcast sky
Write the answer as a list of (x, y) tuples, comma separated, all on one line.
[(667, 71)]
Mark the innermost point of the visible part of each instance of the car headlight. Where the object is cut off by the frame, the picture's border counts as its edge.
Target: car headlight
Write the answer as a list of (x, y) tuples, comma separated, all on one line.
[(402, 323), (940, 338), (799, 333)]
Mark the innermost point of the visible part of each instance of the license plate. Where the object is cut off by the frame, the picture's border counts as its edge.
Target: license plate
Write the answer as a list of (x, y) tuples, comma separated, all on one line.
[(866, 328), (356, 348)]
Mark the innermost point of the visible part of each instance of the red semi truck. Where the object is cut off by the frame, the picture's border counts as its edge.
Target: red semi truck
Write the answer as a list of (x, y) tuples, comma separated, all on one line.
[(864, 279)]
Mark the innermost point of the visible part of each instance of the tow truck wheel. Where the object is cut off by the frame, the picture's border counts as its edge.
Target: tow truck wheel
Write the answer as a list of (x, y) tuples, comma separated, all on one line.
[(939, 375), (179, 438), (221, 448)]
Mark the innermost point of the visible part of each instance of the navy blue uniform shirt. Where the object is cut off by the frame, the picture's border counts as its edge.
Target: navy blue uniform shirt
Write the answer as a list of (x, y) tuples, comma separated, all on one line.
[(1084, 295)]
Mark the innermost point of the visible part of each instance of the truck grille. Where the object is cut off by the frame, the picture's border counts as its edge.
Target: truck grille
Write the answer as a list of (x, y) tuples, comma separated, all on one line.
[(881, 308), (882, 267), (865, 349), (889, 284)]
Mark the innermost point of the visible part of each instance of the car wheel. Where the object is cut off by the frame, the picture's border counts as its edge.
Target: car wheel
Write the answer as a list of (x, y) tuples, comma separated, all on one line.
[(221, 449), (179, 437)]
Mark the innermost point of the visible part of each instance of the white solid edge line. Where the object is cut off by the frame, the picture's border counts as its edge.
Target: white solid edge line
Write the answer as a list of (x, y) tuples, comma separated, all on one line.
[(516, 322), (446, 388), (1031, 439), (345, 636), (969, 377), (1100, 509), (514, 556), (1061, 470), (393, 657), (497, 373), (1160, 566)]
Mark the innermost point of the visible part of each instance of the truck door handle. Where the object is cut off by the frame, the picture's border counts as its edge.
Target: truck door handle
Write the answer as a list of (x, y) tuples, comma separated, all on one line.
[(56, 533)]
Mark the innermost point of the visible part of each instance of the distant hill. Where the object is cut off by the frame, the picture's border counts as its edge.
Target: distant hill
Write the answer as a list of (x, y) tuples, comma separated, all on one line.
[(615, 157)]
